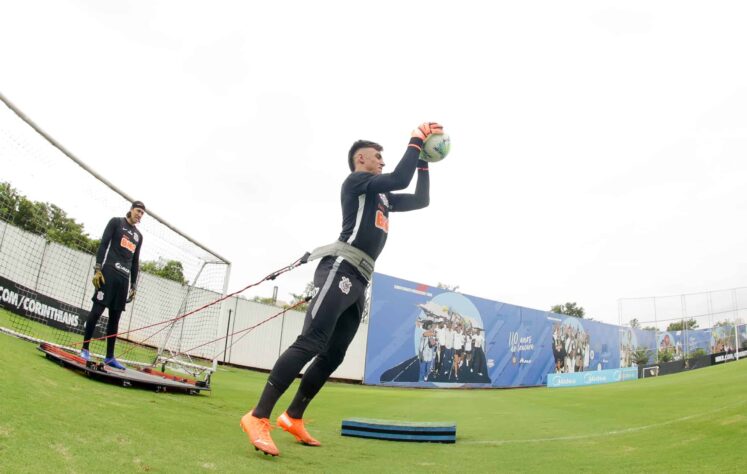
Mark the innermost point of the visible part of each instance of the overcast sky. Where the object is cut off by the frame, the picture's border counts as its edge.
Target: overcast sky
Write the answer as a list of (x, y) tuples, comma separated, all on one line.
[(598, 148)]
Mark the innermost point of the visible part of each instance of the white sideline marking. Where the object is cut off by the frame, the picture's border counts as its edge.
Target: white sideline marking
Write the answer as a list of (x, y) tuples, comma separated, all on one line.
[(634, 429)]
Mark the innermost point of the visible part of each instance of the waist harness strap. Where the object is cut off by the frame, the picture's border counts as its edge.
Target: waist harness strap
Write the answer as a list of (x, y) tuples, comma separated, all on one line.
[(357, 257)]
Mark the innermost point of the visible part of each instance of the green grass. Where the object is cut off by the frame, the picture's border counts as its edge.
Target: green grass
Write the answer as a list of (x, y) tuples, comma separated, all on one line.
[(124, 349), (56, 420)]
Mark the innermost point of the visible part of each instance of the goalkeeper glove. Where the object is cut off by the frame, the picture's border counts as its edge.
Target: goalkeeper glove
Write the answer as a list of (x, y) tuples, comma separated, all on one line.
[(98, 277), (131, 296), (426, 129)]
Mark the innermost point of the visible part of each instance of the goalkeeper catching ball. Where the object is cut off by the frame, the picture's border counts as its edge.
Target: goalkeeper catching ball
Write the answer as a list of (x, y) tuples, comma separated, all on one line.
[(341, 278)]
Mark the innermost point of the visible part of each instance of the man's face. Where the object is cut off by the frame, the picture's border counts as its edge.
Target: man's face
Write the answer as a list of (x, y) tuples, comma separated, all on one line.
[(136, 214), (369, 160)]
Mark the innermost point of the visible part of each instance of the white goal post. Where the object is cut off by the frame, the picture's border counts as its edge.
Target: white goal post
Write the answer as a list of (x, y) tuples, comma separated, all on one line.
[(650, 371), (53, 208)]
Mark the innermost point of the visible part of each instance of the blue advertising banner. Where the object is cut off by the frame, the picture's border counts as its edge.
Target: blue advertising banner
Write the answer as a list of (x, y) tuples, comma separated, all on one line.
[(633, 339), (578, 379), (421, 336), (698, 340), (723, 339)]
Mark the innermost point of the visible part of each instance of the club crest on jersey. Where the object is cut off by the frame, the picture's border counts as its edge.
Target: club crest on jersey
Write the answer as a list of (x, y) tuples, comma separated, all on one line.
[(136, 237), (345, 285), (100, 296)]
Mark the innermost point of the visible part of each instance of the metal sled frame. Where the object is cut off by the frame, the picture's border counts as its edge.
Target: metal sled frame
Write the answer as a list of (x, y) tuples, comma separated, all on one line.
[(145, 378)]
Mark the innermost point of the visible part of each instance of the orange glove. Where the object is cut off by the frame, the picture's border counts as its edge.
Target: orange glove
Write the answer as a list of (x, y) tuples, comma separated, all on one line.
[(426, 129)]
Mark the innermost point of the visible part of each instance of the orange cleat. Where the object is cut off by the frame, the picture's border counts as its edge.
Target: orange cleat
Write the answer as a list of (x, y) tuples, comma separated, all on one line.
[(258, 430), (295, 427)]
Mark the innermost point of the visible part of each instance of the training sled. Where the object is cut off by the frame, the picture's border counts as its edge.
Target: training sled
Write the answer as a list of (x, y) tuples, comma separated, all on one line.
[(144, 378), (432, 432)]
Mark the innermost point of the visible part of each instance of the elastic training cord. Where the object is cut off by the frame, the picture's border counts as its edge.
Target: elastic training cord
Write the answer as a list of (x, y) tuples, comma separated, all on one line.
[(246, 330), (271, 276)]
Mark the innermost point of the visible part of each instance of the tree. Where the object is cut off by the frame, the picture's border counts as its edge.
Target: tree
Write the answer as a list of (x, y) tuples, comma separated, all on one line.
[(45, 219), (697, 352), (169, 269), (722, 323), (66, 231), (682, 325), (641, 355), (264, 300), (570, 309), (53, 223), (8, 201), (307, 292), (665, 356), (634, 323)]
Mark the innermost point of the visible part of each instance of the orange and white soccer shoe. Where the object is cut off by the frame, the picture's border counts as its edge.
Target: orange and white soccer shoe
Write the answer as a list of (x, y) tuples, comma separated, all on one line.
[(258, 430), (295, 427)]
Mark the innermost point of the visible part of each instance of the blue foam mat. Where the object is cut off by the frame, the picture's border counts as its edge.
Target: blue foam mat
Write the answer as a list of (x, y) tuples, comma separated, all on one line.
[(439, 432)]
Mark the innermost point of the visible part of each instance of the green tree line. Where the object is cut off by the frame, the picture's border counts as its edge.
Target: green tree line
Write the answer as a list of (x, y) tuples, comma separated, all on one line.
[(45, 219), (53, 223)]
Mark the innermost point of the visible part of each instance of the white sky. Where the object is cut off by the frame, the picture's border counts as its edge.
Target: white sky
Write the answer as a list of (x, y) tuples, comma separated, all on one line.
[(598, 148)]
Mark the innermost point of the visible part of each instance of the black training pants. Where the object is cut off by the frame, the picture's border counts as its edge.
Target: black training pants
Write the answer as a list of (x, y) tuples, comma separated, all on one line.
[(331, 322)]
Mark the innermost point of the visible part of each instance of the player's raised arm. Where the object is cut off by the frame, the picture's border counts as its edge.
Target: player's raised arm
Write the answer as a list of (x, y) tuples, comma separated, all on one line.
[(421, 197), (402, 175)]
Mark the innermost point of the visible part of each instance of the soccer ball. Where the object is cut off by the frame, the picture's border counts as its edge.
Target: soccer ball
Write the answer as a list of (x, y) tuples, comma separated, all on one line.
[(436, 147)]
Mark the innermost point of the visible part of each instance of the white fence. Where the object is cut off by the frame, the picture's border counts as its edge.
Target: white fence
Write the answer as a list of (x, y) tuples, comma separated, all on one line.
[(50, 273)]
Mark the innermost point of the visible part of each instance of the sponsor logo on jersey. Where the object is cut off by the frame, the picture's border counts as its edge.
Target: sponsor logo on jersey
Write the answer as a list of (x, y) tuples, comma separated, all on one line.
[(345, 285), (382, 221), (122, 268), (383, 198), (125, 242)]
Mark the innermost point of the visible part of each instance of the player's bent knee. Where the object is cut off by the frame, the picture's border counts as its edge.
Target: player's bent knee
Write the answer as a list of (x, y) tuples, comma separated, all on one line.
[(333, 359), (310, 345)]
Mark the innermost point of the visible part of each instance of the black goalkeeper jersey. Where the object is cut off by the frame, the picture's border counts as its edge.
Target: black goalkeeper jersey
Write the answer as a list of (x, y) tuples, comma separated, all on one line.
[(120, 248), (367, 200)]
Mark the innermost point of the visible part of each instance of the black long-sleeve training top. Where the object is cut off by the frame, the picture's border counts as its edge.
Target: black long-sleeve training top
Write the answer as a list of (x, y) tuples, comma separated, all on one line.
[(367, 199), (120, 248)]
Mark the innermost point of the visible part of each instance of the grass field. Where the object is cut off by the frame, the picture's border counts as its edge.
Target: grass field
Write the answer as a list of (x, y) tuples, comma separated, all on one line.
[(56, 420), (124, 350)]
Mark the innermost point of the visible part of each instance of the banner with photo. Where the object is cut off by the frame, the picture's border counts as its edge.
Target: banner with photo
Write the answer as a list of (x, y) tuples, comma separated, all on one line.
[(633, 340), (724, 339), (698, 342), (422, 336)]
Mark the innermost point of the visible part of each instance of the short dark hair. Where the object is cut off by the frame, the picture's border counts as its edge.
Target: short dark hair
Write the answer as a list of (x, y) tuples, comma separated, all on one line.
[(357, 146)]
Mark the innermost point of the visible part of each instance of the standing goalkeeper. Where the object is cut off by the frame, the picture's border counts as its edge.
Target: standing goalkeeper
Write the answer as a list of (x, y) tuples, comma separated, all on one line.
[(116, 270), (341, 278)]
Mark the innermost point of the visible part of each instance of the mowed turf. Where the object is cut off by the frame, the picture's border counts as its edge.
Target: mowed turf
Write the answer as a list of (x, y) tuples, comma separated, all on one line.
[(55, 420)]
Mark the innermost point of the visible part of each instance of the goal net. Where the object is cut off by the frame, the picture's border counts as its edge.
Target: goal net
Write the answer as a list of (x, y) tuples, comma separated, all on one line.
[(53, 210), (688, 326), (652, 371)]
